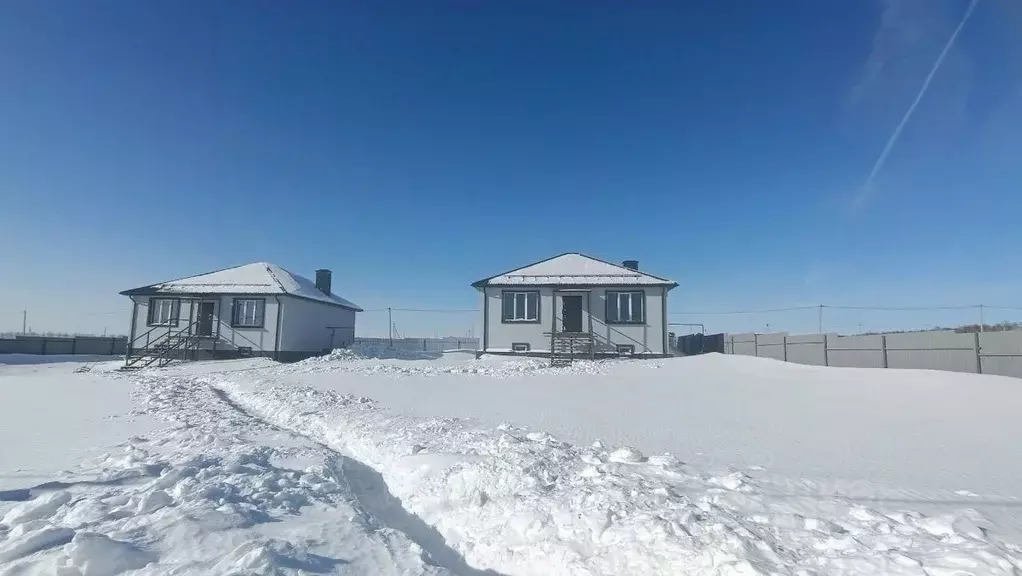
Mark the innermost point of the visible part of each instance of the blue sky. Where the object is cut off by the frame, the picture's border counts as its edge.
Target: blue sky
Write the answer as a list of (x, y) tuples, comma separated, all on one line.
[(414, 147)]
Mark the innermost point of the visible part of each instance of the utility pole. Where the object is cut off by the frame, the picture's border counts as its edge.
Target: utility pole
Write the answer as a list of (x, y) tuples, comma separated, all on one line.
[(819, 320), (768, 328), (24, 321), (390, 326), (981, 322)]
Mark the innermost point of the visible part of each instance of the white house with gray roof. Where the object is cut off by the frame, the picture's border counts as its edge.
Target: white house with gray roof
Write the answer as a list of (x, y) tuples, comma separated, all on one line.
[(257, 309), (573, 305)]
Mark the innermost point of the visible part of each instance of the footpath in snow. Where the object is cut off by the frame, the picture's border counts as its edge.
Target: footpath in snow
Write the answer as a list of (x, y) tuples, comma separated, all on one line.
[(252, 470)]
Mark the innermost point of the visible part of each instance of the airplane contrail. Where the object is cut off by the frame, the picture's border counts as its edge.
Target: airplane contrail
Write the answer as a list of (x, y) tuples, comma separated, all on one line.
[(922, 91)]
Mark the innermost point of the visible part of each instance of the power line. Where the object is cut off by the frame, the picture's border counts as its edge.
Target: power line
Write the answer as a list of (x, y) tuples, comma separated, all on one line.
[(455, 310), (904, 308), (438, 310), (749, 311)]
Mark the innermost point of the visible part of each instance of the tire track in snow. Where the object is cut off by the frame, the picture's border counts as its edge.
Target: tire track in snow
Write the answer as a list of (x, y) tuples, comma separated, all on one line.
[(367, 485)]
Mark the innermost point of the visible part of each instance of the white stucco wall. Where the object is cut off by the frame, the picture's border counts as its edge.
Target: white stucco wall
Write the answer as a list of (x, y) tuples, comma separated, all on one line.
[(647, 338), (500, 336), (305, 326), (259, 339)]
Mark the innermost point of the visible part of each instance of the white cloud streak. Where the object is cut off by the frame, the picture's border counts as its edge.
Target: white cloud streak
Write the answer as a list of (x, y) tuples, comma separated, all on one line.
[(867, 186)]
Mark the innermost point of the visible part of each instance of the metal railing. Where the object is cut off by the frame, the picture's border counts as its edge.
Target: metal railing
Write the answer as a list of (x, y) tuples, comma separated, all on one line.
[(160, 349)]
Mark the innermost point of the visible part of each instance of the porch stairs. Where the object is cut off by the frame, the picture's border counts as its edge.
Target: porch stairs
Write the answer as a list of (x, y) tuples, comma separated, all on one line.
[(161, 347), (566, 347)]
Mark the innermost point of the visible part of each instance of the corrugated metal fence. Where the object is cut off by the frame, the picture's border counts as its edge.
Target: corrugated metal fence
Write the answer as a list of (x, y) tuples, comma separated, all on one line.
[(981, 353), (91, 345)]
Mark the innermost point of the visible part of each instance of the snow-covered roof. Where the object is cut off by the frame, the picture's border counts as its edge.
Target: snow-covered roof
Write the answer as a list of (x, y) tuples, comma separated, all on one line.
[(255, 278), (574, 269)]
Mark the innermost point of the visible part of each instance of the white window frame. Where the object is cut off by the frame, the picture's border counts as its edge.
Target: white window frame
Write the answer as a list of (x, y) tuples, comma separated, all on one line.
[(248, 313), (623, 301), (163, 312), (520, 306)]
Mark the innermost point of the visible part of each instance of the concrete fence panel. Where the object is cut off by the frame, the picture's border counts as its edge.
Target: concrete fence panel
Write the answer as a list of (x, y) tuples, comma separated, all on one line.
[(997, 353), (932, 350), (18, 346), (772, 346), (1001, 353), (59, 345), (744, 344), (47, 345), (100, 345), (855, 351), (807, 349)]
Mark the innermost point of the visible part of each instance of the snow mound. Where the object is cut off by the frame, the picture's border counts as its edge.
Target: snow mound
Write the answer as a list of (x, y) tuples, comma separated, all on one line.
[(363, 351), (375, 359), (626, 454), (98, 555)]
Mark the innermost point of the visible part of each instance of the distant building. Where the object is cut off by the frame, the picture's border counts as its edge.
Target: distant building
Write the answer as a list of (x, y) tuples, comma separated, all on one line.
[(258, 309), (573, 305)]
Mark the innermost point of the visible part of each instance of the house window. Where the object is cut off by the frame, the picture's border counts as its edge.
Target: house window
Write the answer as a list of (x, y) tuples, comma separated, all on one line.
[(520, 347), (625, 349), (521, 306), (626, 307), (163, 311), (248, 312)]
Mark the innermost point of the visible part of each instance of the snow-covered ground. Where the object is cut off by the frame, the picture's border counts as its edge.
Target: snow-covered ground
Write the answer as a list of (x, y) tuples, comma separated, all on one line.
[(450, 465), (52, 417)]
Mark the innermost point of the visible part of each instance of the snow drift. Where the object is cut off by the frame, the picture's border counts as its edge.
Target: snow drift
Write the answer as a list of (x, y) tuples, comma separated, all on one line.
[(262, 468)]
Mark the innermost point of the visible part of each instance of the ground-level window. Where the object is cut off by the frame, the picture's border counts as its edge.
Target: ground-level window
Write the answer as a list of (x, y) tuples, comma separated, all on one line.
[(521, 306), (625, 349), (520, 347), (248, 312), (163, 311), (626, 307)]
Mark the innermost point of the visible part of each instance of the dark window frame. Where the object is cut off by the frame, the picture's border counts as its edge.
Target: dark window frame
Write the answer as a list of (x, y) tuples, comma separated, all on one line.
[(616, 293), (539, 306), (526, 347), (626, 349), (234, 313), (175, 312)]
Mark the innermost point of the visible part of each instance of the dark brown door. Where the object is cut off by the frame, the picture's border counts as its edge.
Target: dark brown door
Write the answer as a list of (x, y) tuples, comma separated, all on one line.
[(571, 313), (205, 326)]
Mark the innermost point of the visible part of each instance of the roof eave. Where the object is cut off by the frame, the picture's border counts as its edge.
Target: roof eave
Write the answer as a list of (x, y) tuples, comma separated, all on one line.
[(668, 285), (354, 308), (154, 291), (141, 291)]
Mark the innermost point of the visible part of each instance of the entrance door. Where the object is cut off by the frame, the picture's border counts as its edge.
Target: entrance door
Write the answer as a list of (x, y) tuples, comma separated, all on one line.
[(571, 312), (206, 313)]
